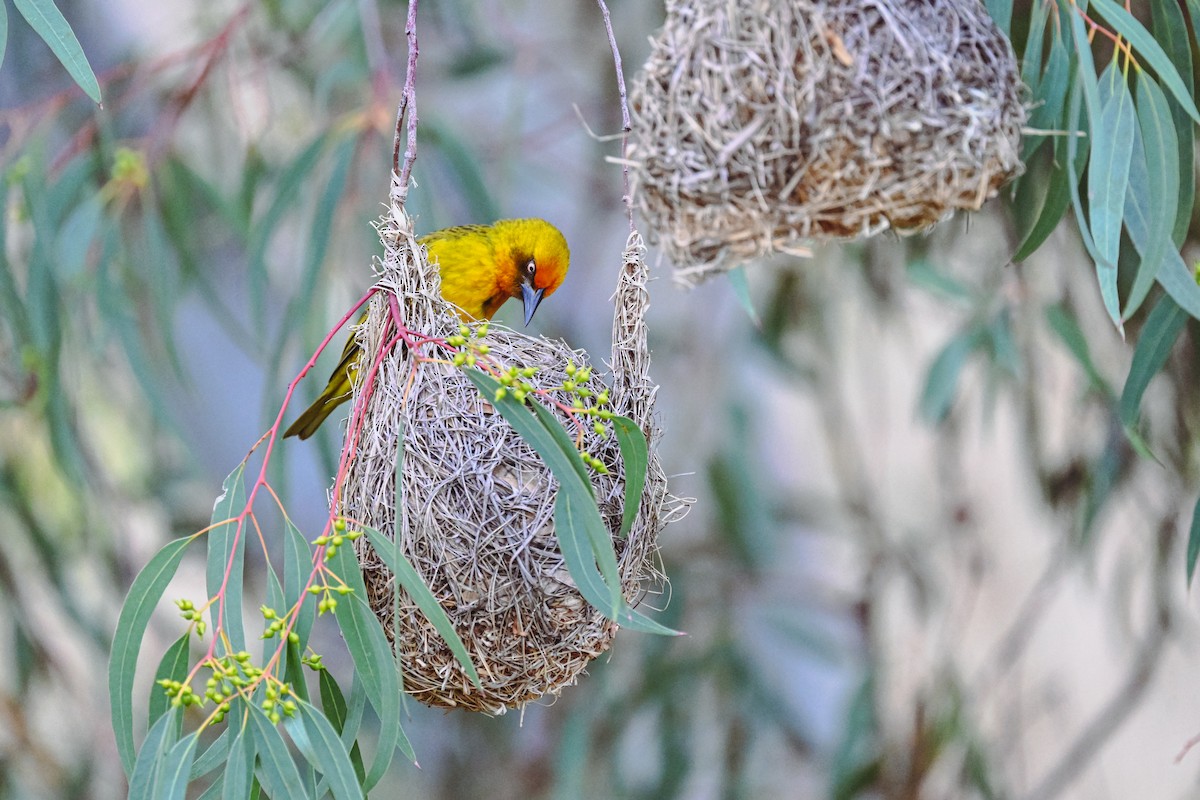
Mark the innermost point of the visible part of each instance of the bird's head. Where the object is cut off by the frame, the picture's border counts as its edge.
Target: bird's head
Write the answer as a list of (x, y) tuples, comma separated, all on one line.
[(537, 259)]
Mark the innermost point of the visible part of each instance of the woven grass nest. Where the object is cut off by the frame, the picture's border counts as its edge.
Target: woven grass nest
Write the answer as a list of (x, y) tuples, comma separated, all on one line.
[(477, 520), (760, 124)]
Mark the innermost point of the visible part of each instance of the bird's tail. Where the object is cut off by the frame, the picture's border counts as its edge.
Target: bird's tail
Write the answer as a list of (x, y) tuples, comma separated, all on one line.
[(336, 392)]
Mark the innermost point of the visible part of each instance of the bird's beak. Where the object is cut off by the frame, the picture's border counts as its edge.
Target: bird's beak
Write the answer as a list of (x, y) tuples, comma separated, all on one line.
[(532, 298)]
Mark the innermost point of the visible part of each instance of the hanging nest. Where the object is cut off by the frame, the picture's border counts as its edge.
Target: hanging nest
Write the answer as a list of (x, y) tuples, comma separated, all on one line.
[(477, 517), (759, 124)]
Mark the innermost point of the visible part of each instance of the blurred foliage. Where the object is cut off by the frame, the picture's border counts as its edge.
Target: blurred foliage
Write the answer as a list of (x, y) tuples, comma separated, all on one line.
[(236, 175)]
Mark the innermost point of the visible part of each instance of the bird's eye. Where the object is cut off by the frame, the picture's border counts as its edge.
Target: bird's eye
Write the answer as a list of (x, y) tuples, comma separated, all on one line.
[(530, 269)]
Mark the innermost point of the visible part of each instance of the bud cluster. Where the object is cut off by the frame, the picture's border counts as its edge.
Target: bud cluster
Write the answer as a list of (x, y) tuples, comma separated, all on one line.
[(470, 348), (340, 536), (188, 611)]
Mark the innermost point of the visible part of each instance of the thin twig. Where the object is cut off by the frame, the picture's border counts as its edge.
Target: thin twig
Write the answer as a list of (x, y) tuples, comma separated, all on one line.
[(626, 127), (1125, 700), (408, 107)]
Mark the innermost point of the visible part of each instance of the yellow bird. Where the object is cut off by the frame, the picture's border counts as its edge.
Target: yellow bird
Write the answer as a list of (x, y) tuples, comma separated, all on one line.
[(481, 267)]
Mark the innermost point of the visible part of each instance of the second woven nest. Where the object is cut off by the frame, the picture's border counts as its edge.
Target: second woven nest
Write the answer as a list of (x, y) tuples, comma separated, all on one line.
[(477, 516), (760, 124)]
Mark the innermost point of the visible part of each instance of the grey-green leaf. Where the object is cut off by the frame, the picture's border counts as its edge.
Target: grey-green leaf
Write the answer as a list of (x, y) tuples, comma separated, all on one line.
[(175, 767), (145, 592), (1153, 186), (374, 663), (173, 666), (1193, 546), (420, 594), (276, 769), (941, 383), (1149, 49), (1108, 179), (49, 23), (226, 559), (159, 739), (3, 31), (1180, 283), (1154, 345), (239, 770), (741, 290), (1001, 13), (330, 755), (636, 457)]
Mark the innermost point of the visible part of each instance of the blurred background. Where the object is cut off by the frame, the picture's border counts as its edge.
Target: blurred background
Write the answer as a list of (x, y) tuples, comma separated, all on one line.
[(923, 560)]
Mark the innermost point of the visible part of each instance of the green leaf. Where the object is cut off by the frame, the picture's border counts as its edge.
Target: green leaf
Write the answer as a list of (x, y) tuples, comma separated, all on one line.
[(1153, 187), (3, 31), (76, 236), (1193, 546), (1069, 333), (420, 594), (1108, 180), (145, 592), (1171, 30), (333, 703), (1154, 345), (570, 516), (741, 290), (297, 568), (215, 788), (173, 666), (1049, 98), (374, 663), (214, 756), (226, 559), (276, 769), (159, 739), (1180, 283), (1056, 201), (1150, 51), (45, 18), (856, 760), (175, 767), (330, 754), (1001, 12), (287, 191), (922, 273), (598, 534), (636, 457), (559, 439), (941, 383), (466, 168), (322, 221), (576, 517), (1031, 59), (1082, 88), (239, 770)]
